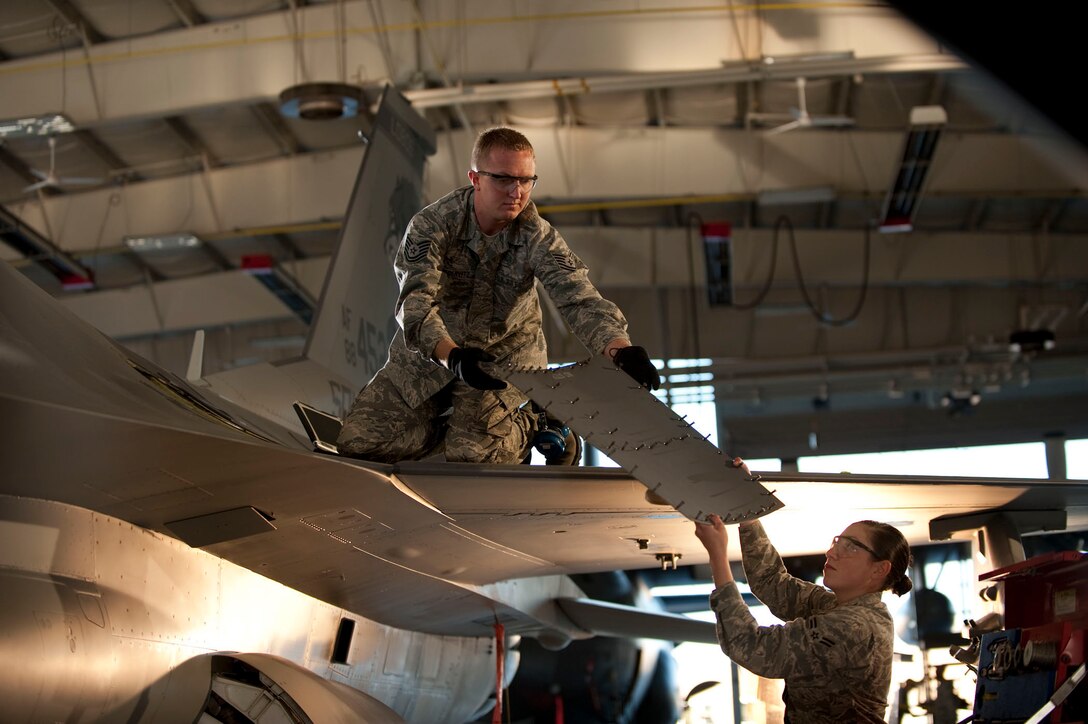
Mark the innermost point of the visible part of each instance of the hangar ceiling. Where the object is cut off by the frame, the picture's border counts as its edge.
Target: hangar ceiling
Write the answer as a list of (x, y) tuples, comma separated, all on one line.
[(649, 120)]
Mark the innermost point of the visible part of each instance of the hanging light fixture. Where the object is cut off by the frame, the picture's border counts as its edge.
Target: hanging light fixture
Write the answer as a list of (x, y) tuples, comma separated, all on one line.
[(48, 124), (321, 101), (901, 203), (1031, 340)]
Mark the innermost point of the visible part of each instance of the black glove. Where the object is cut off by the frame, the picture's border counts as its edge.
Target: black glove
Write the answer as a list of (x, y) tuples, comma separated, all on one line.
[(465, 363), (635, 362)]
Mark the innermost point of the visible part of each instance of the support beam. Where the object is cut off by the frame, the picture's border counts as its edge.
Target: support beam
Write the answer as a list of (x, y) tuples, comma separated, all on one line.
[(656, 107), (1052, 216), (977, 215), (264, 198), (272, 193), (253, 57), (150, 273), (215, 255), (106, 154), (18, 166), (187, 13), (743, 94), (1055, 456), (26, 240), (192, 140), (73, 17), (739, 73), (270, 118), (292, 250), (937, 89), (283, 285), (844, 97), (229, 298)]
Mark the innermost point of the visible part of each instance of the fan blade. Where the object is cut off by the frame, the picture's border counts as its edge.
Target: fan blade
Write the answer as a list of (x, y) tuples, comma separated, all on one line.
[(802, 101), (40, 185), (784, 127)]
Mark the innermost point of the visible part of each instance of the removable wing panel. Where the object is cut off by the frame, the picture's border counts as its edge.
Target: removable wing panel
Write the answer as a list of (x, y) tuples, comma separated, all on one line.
[(651, 442)]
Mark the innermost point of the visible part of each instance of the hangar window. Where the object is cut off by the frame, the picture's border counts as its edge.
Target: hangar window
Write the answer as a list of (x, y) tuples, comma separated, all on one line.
[(1076, 459), (1021, 460)]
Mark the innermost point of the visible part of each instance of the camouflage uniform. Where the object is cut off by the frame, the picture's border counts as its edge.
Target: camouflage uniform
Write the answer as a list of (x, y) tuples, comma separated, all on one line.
[(836, 660), (479, 292)]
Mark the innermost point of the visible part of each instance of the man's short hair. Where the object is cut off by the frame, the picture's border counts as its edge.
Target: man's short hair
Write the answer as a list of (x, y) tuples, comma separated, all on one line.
[(499, 137)]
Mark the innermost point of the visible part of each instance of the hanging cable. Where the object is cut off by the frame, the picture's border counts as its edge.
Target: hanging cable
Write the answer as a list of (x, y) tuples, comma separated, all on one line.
[(821, 315), (302, 75), (736, 31), (340, 36), (377, 17), (770, 272), (440, 66)]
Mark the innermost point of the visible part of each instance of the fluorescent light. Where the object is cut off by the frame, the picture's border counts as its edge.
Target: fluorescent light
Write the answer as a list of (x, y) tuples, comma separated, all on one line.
[(45, 125), (161, 242), (1031, 340), (928, 116), (919, 146)]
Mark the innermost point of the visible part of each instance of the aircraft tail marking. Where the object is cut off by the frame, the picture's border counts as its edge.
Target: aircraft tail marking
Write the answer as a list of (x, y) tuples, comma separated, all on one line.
[(354, 323)]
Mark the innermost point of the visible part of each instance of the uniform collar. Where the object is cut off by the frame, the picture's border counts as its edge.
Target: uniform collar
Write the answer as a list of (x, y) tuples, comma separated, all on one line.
[(865, 599)]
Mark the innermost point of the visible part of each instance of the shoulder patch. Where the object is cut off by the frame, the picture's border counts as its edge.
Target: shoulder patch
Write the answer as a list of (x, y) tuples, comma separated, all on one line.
[(565, 260), (416, 248), (816, 634)]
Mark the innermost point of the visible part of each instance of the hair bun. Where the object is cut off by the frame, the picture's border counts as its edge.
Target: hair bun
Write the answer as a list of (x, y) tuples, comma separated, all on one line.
[(903, 585)]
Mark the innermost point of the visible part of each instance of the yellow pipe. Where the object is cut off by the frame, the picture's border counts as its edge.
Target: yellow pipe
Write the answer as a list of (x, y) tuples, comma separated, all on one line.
[(641, 203), (271, 230), (574, 207)]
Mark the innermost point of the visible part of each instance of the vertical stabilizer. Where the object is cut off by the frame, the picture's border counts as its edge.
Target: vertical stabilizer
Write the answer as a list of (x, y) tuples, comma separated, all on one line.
[(354, 321)]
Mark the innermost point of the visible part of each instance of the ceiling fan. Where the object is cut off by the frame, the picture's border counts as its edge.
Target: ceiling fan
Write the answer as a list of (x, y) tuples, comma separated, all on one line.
[(801, 117), (51, 180)]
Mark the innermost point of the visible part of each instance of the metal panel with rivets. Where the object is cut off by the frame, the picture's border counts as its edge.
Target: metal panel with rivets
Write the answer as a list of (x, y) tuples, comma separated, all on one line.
[(651, 442)]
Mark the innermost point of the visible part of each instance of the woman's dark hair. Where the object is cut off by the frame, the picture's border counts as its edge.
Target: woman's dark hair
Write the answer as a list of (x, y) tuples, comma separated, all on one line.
[(891, 546)]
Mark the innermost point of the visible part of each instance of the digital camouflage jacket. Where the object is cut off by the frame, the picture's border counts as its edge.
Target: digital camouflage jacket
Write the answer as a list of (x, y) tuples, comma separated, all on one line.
[(836, 660), (481, 293)]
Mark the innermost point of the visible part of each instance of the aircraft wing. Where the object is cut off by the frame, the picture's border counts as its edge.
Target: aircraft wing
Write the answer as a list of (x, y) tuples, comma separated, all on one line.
[(591, 519), (432, 546), (441, 548)]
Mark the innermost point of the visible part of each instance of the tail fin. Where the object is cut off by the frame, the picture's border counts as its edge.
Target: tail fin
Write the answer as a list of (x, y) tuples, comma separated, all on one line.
[(354, 322)]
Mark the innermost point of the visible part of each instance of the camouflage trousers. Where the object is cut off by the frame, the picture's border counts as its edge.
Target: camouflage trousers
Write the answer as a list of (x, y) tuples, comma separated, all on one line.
[(484, 427)]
